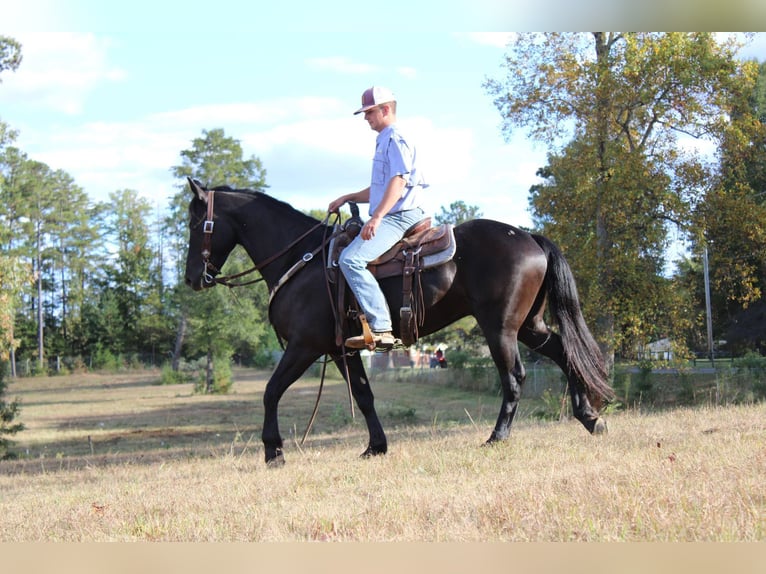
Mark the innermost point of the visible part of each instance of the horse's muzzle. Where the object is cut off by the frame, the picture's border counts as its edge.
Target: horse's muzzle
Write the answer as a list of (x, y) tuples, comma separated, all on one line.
[(199, 284)]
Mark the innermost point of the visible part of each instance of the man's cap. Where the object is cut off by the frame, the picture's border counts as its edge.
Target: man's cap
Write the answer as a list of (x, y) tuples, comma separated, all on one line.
[(375, 96)]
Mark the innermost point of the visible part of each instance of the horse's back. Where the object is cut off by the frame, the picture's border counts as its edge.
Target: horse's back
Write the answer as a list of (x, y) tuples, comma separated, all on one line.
[(480, 239)]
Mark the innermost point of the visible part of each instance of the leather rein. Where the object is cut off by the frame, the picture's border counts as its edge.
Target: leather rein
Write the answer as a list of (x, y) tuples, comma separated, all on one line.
[(227, 280)]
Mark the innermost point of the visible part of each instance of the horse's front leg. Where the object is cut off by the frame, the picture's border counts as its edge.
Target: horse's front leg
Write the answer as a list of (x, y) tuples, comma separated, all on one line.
[(292, 365), (362, 393)]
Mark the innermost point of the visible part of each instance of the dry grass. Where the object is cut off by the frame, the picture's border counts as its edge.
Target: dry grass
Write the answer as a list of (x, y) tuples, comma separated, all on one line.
[(164, 464)]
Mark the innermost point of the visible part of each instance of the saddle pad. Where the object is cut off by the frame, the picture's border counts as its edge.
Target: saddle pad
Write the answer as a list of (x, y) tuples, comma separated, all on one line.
[(436, 244)]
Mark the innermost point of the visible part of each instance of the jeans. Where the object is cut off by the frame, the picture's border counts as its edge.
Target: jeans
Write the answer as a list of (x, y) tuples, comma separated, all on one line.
[(354, 259)]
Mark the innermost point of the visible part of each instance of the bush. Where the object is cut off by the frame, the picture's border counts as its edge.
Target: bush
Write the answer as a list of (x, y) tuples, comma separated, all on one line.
[(753, 367), (222, 378), (552, 406), (8, 413), (263, 359), (105, 360), (170, 377), (459, 359)]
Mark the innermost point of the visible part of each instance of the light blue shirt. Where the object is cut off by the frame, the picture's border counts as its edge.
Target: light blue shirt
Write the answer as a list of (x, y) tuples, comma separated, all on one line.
[(395, 156)]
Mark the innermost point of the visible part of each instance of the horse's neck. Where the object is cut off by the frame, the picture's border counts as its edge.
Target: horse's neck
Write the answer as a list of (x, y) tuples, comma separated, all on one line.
[(268, 228)]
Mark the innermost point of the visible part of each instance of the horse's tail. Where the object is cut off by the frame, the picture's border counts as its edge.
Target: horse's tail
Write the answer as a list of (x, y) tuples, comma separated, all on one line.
[(583, 356)]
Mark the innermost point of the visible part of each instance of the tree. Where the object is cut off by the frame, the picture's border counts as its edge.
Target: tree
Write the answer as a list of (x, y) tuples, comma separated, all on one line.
[(621, 182), (14, 275), (10, 264), (10, 59), (458, 213), (128, 274), (203, 318), (30, 209), (9, 411), (10, 54), (77, 254), (731, 222)]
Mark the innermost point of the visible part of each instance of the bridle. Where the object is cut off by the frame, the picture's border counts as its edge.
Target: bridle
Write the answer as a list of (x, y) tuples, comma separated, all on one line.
[(207, 239)]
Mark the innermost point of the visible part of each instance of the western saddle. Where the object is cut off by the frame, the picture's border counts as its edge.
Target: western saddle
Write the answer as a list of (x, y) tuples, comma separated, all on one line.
[(422, 247)]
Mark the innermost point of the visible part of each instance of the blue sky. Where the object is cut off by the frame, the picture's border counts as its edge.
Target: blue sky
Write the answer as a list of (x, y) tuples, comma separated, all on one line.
[(116, 98)]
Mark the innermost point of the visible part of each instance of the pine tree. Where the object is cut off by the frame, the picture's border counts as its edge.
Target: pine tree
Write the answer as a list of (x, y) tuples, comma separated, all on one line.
[(8, 413)]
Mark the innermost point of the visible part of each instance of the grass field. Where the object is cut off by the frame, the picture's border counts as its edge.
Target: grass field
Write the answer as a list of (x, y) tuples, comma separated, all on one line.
[(121, 458)]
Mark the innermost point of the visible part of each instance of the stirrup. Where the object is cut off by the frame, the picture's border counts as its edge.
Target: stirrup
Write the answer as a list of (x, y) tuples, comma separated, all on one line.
[(382, 341)]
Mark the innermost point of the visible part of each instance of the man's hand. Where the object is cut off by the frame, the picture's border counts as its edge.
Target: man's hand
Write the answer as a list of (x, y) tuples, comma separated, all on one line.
[(369, 228), (335, 206)]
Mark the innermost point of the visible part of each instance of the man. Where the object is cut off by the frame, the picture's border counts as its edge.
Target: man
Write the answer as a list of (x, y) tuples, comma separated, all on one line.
[(395, 206)]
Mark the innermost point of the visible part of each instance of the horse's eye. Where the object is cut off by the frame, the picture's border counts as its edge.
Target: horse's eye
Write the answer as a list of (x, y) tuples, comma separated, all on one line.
[(196, 221)]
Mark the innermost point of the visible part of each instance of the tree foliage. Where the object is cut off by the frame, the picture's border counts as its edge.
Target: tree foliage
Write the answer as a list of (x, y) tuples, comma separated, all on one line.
[(9, 412), (614, 108), (731, 222), (457, 213), (10, 54)]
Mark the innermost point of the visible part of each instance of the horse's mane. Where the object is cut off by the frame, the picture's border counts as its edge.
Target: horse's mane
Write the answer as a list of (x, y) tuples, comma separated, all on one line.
[(278, 203)]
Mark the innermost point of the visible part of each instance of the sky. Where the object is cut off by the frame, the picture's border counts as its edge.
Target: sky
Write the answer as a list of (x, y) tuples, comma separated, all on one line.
[(111, 93)]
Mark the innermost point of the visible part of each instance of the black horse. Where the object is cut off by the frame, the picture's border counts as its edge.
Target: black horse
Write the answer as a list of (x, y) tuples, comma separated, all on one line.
[(501, 275)]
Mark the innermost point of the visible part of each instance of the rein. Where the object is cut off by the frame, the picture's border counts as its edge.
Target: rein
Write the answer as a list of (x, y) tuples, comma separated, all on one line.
[(207, 230)]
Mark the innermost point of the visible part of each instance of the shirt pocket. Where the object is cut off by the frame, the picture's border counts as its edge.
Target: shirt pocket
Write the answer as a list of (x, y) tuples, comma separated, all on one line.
[(379, 168)]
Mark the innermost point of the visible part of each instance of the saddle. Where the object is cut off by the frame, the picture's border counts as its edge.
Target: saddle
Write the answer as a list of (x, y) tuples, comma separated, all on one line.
[(422, 247)]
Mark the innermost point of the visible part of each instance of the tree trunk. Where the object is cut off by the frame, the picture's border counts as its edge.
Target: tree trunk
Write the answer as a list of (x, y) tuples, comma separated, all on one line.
[(180, 334), (13, 356), (209, 372), (40, 325), (605, 317)]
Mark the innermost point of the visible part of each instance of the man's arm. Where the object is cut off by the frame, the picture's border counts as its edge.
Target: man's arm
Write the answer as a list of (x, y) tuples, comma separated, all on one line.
[(392, 194), (362, 196)]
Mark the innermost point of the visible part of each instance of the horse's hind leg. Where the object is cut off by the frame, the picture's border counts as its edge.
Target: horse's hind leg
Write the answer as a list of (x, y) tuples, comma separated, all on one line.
[(362, 393), (536, 335), (505, 353)]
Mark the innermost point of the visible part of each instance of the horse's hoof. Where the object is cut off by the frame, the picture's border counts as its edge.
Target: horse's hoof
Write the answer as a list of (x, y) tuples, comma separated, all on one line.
[(276, 460), (495, 438), (371, 451), (599, 427)]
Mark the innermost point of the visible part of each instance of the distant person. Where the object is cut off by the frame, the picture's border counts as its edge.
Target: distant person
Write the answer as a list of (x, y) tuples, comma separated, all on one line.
[(394, 195)]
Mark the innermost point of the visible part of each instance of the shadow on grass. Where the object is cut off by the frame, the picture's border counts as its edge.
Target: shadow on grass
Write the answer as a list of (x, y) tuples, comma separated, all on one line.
[(136, 421)]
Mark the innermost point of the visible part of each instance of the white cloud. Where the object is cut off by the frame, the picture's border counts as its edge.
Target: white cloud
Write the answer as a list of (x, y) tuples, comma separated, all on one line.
[(258, 112), (59, 70), (341, 65), (33, 15), (310, 158), (312, 148)]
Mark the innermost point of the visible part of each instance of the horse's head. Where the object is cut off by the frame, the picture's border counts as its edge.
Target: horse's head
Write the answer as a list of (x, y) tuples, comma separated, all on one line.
[(211, 237)]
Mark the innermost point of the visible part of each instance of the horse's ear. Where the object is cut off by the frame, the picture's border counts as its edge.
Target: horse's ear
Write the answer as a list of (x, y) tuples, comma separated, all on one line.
[(198, 189)]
